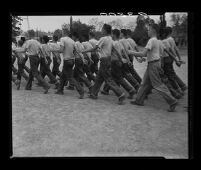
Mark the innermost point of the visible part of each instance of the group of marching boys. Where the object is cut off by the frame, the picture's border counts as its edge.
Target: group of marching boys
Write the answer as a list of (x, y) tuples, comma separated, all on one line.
[(109, 61)]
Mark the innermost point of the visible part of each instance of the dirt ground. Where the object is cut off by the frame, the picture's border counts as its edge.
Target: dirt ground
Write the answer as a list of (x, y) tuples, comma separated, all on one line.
[(54, 125)]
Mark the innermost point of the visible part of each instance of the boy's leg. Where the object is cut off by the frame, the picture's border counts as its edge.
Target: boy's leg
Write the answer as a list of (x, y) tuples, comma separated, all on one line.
[(154, 71), (181, 84)]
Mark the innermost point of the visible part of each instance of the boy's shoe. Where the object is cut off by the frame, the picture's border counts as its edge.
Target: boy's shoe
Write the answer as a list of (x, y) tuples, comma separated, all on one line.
[(59, 92), (92, 96), (136, 103), (131, 94), (46, 90), (172, 107), (121, 99), (104, 92), (27, 88), (81, 96), (51, 82), (70, 88)]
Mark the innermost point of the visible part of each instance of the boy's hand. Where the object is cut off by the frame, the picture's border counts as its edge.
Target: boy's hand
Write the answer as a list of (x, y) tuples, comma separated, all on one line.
[(182, 62), (178, 63), (85, 61)]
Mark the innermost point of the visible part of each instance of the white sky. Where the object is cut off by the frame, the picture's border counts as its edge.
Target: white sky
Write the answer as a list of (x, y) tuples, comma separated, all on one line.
[(51, 23)]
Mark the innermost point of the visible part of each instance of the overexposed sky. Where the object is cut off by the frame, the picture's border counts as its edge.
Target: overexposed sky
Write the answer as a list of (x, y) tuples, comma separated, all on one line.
[(51, 23)]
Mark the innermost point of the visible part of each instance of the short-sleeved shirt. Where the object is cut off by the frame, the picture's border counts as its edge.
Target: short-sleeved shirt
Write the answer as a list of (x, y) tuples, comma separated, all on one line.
[(46, 49), (79, 48), (68, 45), (19, 53), (171, 42), (166, 46), (93, 42), (119, 47), (154, 50), (87, 46), (54, 47), (105, 45), (32, 47), (132, 42), (125, 44)]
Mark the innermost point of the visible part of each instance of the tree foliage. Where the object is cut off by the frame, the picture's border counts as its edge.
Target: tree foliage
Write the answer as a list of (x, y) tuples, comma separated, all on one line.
[(15, 25)]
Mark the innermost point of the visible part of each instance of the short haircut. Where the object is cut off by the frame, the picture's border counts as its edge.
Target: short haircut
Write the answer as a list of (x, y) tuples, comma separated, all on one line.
[(155, 27), (169, 30), (129, 32), (124, 32), (20, 43), (75, 34), (107, 28), (45, 38), (92, 34), (23, 39), (116, 32), (55, 37)]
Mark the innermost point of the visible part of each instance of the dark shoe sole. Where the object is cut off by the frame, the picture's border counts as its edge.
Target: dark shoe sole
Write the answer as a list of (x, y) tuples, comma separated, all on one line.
[(172, 107), (135, 103)]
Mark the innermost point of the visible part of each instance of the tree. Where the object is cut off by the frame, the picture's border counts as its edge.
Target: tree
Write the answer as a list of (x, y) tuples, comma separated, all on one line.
[(31, 33), (66, 29), (96, 23), (15, 25), (140, 34), (116, 24), (58, 32), (131, 25)]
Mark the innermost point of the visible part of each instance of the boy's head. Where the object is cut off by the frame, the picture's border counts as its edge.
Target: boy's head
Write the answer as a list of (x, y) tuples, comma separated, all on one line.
[(20, 43), (169, 30), (55, 37), (91, 35), (115, 34), (45, 39), (106, 29), (129, 32), (75, 36), (153, 30), (23, 39), (123, 33), (85, 37)]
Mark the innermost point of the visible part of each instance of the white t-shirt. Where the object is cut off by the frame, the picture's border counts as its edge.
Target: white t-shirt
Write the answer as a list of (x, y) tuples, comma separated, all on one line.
[(68, 45), (87, 46), (154, 49), (32, 47), (54, 47), (105, 45), (79, 48), (93, 42), (119, 47), (132, 43), (125, 44), (171, 42)]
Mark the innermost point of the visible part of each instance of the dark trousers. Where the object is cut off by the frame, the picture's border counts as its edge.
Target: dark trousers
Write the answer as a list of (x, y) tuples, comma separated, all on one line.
[(34, 63), (45, 69), (129, 77), (21, 72), (116, 72), (55, 68), (168, 68), (104, 74), (25, 67), (67, 74), (87, 70), (152, 79), (79, 73), (94, 65), (134, 72), (13, 67)]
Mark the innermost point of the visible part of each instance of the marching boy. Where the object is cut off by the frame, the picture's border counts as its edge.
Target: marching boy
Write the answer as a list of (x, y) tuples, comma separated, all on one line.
[(104, 74), (152, 77)]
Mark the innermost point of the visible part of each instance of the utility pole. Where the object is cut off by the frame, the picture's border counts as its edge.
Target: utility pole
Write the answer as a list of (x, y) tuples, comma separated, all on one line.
[(71, 24)]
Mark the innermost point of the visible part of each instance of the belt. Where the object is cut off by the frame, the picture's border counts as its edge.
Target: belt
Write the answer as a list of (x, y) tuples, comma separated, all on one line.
[(153, 61)]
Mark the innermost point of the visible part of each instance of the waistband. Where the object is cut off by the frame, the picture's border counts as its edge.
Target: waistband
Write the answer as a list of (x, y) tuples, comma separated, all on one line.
[(154, 61)]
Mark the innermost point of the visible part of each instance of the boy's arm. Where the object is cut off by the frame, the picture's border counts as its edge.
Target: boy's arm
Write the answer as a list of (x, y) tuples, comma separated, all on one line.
[(90, 50), (117, 53), (173, 57), (139, 54)]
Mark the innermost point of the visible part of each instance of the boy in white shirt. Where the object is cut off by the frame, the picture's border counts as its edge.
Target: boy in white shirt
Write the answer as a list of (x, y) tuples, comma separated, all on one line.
[(79, 73), (117, 61), (94, 55), (176, 52), (104, 74), (152, 78), (127, 47)]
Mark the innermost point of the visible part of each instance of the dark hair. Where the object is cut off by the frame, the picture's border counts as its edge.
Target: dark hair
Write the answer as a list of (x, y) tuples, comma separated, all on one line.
[(85, 37), (75, 34), (45, 38), (155, 27), (107, 28), (116, 32), (20, 43), (124, 32), (23, 39), (169, 30), (55, 37), (129, 32), (92, 34)]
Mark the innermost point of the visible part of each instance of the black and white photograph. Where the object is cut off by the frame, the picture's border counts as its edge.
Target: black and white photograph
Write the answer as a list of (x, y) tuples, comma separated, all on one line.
[(105, 85)]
